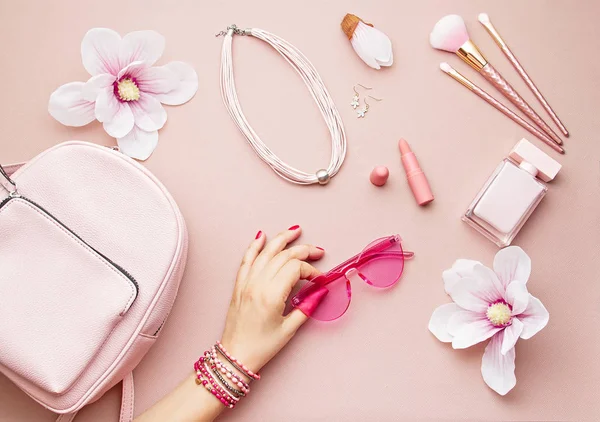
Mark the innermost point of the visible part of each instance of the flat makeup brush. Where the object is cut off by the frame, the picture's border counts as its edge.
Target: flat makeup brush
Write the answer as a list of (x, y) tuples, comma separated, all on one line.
[(499, 106), (485, 21), (450, 34)]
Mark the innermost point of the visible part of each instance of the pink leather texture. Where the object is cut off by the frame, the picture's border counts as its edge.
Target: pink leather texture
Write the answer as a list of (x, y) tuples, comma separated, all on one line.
[(51, 283), (92, 332)]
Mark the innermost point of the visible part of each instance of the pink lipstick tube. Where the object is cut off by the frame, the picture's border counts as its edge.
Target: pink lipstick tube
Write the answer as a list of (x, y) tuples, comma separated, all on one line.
[(414, 175)]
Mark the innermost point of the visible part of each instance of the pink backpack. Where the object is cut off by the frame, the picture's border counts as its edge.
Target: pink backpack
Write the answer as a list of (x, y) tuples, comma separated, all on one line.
[(92, 250)]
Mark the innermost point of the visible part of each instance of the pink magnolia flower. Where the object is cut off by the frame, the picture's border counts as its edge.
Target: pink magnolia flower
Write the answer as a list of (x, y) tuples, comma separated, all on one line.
[(492, 304), (125, 92)]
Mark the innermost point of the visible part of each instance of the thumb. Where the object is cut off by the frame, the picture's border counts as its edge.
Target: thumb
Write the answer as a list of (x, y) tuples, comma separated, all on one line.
[(293, 321)]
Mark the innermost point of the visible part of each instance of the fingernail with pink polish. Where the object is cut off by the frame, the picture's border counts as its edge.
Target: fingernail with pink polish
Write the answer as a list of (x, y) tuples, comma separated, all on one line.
[(296, 227), (259, 234), (320, 248)]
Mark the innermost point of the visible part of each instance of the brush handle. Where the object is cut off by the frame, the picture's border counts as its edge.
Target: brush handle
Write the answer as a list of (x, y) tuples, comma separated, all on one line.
[(513, 60), (515, 117), (504, 87)]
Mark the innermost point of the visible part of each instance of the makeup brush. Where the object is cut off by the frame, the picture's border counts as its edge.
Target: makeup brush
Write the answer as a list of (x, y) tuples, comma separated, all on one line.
[(450, 34), (499, 106), (485, 21)]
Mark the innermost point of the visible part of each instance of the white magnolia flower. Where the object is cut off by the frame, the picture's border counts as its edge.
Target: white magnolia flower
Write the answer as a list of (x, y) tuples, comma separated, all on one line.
[(125, 92), (371, 45), (490, 304)]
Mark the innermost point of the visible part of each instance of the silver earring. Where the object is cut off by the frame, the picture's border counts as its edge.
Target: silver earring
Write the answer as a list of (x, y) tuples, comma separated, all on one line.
[(361, 112), (355, 103)]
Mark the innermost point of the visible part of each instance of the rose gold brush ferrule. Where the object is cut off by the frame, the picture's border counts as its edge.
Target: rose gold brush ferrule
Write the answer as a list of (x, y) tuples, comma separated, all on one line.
[(485, 21), (471, 54)]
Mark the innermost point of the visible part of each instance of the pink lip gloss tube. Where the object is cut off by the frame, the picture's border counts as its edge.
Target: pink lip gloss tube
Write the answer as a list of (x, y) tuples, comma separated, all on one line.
[(416, 178)]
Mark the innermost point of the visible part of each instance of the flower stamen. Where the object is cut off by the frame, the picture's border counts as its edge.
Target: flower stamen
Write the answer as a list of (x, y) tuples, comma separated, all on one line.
[(499, 314), (127, 90)]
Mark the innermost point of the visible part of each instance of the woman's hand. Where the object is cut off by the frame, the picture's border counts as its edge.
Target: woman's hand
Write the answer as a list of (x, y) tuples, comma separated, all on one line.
[(255, 329)]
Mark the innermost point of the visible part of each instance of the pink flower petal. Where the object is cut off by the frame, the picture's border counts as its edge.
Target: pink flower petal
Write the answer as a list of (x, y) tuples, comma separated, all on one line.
[(498, 370), (97, 83), (133, 69), (157, 80), (438, 324), (474, 333), (188, 84), (122, 122), (107, 105), (68, 106), (511, 264), (138, 144), (148, 113), (534, 318), (146, 46), (461, 268), (100, 51), (461, 319), (511, 335), (517, 296), (477, 292)]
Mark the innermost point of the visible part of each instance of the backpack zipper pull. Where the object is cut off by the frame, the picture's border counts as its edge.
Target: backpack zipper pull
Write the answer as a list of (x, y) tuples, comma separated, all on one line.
[(11, 186)]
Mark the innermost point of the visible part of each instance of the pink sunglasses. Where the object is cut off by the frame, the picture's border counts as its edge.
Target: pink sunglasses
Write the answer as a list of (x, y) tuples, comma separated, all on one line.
[(327, 297)]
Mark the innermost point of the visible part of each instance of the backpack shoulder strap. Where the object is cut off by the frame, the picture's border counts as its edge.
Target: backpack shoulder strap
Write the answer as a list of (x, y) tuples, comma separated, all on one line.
[(127, 402)]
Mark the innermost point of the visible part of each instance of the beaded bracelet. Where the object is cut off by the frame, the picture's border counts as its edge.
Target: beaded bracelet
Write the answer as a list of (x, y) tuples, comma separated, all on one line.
[(237, 364), (236, 379), (220, 371), (201, 372)]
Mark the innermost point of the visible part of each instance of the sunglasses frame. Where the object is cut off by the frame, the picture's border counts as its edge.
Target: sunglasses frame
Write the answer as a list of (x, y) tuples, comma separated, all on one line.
[(348, 270)]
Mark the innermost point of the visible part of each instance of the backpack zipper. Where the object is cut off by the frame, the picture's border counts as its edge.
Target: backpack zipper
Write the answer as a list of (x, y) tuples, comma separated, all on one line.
[(15, 195)]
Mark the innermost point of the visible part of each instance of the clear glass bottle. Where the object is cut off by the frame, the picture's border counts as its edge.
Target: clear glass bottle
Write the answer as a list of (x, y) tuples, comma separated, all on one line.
[(512, 193)]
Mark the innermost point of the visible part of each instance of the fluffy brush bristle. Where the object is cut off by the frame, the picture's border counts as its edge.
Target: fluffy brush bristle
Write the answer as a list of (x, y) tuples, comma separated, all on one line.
[(483, 18), (449, 33)]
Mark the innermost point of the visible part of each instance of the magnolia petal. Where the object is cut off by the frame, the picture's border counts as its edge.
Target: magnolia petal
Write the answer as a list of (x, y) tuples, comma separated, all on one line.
[(511, 335), (100, 51), (68, 106), (157, 80), (511, 264), (439, 321), (534, 318), (146, 46), (187, 87), (477, 292), (461, 319), (474, 333), (490, 287), (132, 70), (95, 84), (121, 123), (497, 369), (148, 113), (517, 296), (372, 46), (461, 268), (138, 144), (107, 105)]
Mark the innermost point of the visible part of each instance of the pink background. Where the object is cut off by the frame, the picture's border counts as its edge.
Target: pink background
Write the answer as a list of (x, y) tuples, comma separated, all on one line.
[(379, 362)]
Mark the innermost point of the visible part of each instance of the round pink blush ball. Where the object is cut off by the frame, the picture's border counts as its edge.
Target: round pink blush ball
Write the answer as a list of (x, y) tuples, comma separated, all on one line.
[(379, 175)]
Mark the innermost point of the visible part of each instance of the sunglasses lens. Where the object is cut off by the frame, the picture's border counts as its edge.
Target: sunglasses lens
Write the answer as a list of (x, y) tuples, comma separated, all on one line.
[(324, 303), (384, 268)]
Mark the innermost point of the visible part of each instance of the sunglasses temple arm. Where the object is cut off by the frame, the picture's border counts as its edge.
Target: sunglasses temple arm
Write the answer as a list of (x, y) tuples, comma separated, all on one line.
[(408, 255)]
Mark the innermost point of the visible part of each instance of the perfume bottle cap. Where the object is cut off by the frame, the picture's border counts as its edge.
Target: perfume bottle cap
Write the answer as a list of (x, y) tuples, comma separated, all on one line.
[(546, 166)]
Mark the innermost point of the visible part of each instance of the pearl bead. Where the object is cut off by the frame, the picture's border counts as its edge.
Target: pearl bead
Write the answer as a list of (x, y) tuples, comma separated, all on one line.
[(228, 374)]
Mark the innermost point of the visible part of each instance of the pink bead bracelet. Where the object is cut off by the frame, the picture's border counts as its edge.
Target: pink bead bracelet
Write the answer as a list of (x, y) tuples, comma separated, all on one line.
[(237, 364), (204, 378), (228, 372)]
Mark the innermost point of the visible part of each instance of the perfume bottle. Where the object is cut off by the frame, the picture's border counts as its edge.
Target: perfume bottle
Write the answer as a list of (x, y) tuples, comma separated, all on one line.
[(512, 193)]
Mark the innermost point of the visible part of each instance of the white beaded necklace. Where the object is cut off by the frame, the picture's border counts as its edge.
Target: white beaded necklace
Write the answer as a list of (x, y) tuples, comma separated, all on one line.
[(318, 91)]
